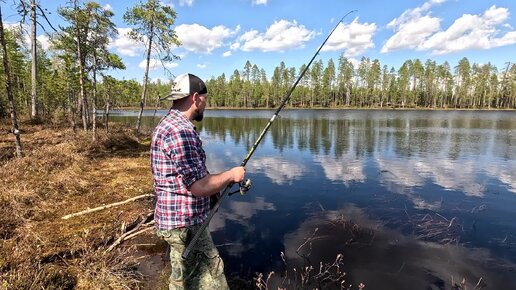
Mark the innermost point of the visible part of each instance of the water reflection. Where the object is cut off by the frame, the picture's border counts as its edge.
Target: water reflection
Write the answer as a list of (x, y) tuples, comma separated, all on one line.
[(385, 259), (387, 171), (278, 169), (346, 168)]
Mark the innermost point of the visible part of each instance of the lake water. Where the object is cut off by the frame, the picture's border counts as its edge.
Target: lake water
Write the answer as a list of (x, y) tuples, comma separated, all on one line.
[(411, 199)]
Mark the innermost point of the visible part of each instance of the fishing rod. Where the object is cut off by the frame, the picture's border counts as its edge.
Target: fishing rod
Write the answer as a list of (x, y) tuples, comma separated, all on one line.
[(246, 184)]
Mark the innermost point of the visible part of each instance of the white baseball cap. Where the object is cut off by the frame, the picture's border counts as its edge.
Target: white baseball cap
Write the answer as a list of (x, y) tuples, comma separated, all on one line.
[(185, 85)]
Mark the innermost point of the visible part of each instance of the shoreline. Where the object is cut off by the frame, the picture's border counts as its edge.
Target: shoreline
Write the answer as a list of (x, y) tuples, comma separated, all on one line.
[(323, 108)]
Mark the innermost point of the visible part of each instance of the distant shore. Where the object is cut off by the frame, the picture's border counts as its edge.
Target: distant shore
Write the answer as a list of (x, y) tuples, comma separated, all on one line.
[(324, 108)]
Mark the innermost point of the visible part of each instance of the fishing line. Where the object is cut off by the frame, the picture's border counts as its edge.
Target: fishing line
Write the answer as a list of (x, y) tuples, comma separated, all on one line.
[(224, 193)]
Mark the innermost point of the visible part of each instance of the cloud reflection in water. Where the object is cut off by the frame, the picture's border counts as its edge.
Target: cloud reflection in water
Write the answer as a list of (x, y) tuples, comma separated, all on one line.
[(385, 259), (278, 169), (345, 169)]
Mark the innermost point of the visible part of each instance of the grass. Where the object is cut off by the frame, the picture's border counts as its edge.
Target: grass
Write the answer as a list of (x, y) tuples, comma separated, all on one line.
[(61, 173)]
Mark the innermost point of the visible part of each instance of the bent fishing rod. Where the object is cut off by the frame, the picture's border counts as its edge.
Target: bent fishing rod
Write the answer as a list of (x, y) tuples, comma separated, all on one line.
[(246, 184)]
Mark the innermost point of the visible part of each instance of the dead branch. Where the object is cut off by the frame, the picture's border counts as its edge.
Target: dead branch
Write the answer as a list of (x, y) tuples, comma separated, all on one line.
[(307, 240), (139, 232), (131, 234), (106, 206)]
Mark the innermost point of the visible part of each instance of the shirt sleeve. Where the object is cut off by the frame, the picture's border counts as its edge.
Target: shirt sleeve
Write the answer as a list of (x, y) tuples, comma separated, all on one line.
[(185, 149)]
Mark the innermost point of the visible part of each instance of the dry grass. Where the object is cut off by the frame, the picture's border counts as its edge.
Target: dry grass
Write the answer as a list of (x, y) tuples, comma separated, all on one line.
[(61, 173)]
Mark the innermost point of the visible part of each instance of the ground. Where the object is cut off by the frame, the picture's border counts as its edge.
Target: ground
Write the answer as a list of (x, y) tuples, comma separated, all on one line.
[(63, 172)]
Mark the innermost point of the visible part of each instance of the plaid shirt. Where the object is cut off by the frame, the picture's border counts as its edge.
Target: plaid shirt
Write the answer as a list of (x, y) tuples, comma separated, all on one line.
[(178, 160)]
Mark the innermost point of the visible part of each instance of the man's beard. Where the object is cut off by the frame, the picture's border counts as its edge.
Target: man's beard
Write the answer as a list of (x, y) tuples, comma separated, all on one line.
[(198, 116)]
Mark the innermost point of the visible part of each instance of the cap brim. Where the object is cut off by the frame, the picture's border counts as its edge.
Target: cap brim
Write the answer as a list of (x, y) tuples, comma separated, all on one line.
[(173, 97)]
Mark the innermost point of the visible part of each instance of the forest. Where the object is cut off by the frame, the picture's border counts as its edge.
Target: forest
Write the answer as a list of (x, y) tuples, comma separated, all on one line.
[(71, 79)]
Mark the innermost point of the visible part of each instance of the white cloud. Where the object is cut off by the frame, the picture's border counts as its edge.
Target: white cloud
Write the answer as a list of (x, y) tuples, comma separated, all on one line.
[(353, 38), (198, 38), (227, 53), (412, 27), (417, 29), (188, 3), (44, 40), (355, 62), (472, 32), (15, 26), (260, 2), (156, 64), (163, 80), (234, 46), (280, 36), (126, 46), (108, 7), (412, 33), (201, 65), (24, 30)]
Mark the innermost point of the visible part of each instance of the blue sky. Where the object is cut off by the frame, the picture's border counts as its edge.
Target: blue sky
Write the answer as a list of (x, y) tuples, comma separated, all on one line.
[(220, 36)]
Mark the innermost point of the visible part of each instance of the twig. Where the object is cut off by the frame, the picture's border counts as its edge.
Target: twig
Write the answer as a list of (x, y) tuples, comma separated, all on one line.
[(441, 216), (106, 206), (139, 232), (130, 234), (406, 212), (307, 240), (401, 268), (478, 284), (451, 222)]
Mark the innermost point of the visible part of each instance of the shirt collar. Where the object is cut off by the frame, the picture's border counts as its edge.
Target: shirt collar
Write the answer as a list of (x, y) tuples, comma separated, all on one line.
[(182, 117)]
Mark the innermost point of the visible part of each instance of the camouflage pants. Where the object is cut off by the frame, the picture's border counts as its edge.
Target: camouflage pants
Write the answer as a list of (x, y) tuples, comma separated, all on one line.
[(202, 269)]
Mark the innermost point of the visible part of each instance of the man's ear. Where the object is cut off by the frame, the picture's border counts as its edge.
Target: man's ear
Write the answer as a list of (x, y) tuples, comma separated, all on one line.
[(196, 98)]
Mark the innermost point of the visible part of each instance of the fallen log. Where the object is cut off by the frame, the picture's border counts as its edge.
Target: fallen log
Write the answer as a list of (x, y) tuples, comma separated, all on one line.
[(90, 210)]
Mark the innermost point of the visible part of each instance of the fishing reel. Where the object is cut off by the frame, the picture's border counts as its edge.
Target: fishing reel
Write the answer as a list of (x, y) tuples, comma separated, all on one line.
[(244, 187)]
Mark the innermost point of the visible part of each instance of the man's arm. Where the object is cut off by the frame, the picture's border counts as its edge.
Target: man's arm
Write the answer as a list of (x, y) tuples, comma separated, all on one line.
[(214, 183)]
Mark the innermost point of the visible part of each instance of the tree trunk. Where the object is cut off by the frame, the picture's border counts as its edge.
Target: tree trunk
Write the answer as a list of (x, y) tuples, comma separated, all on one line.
[(108, 107), (8, 88), (145, 80), (72, 106), (80, 62), (94, 96), (156, 107), (34, 98)]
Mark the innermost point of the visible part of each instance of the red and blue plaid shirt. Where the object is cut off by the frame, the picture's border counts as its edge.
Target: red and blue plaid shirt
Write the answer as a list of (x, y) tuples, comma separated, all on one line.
[(178, 160)]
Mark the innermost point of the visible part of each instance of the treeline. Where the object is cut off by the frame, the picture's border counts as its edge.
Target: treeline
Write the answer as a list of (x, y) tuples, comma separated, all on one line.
[(370, 84), (73, 78)]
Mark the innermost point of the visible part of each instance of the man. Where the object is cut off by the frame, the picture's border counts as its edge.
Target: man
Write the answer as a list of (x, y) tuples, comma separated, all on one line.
[(183, 187)]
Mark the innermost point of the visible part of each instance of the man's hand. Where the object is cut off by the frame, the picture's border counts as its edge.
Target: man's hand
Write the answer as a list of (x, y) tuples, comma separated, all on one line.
[(238, 173), (213, 183)]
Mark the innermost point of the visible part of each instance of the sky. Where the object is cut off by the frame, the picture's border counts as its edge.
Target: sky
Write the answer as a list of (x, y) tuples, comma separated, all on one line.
[(220, 36)]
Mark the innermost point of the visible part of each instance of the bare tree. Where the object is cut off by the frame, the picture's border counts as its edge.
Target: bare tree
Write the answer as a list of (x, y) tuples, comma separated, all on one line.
[(25, 8), (9, 89), (33, 92)]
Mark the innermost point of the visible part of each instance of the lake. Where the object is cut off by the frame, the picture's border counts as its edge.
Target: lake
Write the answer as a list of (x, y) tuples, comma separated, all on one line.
[(411, 199)]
